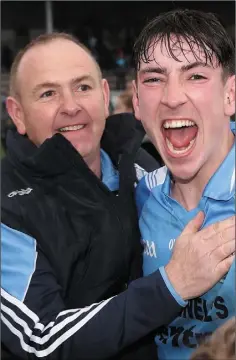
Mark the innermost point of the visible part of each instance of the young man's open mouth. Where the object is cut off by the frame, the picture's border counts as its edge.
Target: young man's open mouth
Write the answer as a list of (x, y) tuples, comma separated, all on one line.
[(180, 136)]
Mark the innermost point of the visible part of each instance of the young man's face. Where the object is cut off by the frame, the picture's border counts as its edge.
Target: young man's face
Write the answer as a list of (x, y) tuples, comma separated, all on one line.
[(185, 108), (61, 91)]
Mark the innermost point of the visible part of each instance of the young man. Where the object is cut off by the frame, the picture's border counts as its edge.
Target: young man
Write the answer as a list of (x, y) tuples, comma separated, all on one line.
[(70, 238), (184, 96)]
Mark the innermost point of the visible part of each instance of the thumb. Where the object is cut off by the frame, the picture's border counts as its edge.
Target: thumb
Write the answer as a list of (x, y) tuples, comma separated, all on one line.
[(194, 225)]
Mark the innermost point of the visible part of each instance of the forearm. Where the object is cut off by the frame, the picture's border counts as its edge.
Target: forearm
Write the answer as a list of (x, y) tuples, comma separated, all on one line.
[(95, 332)]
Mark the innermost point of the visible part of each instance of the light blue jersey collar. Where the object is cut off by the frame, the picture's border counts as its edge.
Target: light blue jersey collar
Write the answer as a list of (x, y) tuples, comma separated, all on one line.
[(222, 184), (110, 176)]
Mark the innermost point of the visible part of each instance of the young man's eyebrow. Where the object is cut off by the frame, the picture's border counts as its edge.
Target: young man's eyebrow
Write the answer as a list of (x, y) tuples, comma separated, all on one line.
[(163, 71), (194, 65), (156, 69)]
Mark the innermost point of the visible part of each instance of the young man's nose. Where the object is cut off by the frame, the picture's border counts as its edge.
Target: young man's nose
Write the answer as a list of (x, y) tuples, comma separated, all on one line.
[(173, 94)]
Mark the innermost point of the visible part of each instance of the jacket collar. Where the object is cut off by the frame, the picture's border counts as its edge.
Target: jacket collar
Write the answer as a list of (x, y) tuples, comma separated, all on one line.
[(123, 135), (56, 155), (110, 175), (222, 184)]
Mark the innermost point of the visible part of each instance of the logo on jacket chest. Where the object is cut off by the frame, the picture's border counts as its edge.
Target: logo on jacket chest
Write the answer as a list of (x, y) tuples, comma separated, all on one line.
[(20, 192), (149, 248)]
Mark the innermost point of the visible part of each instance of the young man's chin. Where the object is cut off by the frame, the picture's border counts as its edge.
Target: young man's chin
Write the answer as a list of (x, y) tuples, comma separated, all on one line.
[(183, 174)]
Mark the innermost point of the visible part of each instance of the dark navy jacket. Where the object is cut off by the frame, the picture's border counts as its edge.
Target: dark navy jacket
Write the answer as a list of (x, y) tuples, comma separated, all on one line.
[(72, 294)]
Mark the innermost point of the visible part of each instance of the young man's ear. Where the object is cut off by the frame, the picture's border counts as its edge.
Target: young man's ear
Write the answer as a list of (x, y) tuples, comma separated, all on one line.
[(15, 111), (135, 100), (229, 100), (106, 94)]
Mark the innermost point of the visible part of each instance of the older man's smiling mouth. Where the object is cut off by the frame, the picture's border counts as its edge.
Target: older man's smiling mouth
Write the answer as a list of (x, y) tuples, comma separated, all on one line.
[(71, 128), (180, 136)]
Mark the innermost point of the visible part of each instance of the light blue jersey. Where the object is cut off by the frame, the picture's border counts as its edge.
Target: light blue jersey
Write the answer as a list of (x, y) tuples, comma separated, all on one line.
[(162, 219)]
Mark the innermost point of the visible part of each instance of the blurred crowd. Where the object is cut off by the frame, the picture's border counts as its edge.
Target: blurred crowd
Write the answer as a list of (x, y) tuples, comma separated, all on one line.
[(112, 49)]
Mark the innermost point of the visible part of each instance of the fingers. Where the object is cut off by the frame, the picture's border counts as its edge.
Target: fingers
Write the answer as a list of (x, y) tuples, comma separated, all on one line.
[(226, 250), (220, 225), (217, 227), (222, 243), (227, 235), (194, 225), (224, 266), (223, 237)]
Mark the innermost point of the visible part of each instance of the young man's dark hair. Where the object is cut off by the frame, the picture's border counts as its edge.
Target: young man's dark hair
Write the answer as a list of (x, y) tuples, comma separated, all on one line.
[(221, 345), (193, 26)]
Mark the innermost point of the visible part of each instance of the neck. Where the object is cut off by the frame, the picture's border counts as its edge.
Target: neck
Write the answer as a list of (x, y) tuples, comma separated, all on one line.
[(94, 163), (188, 193)]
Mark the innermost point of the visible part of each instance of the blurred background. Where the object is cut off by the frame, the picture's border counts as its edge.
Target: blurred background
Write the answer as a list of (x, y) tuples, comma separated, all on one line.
[(108, 28)]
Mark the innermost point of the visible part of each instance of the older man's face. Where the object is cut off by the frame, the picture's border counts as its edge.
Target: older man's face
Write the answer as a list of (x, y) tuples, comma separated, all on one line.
[(61, 91)]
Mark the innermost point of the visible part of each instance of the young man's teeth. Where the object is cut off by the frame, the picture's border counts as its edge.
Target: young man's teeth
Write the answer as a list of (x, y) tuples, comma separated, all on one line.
[(70, 128), (178, 124), (179, 150)]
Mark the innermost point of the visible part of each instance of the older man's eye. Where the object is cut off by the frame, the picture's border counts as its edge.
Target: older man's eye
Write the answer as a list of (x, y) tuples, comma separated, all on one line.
[(84, 87), (47, 93)]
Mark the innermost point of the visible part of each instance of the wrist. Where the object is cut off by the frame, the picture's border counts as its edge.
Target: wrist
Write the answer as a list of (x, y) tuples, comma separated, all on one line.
[(177, 280), (171, 289)]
